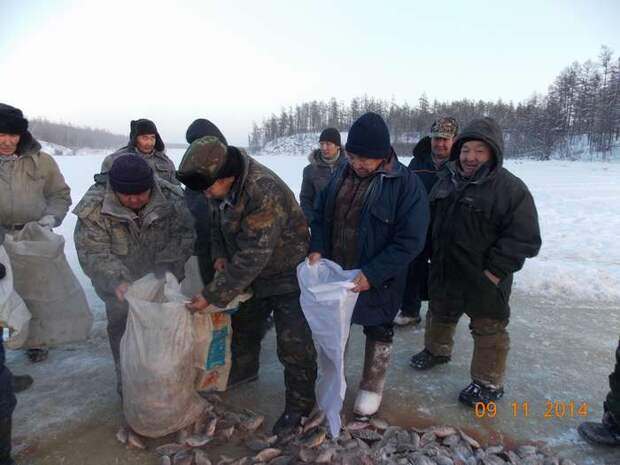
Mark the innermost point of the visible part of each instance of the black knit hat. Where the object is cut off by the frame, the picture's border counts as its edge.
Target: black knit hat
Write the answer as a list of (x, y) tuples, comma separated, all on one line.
[(201, 128), (12, 120), (130, 174), (330, 135), (369, 137)]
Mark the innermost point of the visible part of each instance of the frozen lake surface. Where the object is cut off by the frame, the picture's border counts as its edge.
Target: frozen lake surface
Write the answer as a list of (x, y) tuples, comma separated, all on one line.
[(564, 330)]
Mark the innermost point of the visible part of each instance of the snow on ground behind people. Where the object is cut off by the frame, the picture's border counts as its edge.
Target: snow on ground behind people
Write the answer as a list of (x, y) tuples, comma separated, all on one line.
[(578, 204)]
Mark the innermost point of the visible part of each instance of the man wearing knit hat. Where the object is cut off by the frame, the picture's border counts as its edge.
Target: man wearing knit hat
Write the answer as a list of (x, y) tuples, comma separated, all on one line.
[(130, 223), (429, 155), (259, 235), (144, 140), (323, 163), (372, 216), (32, 189)]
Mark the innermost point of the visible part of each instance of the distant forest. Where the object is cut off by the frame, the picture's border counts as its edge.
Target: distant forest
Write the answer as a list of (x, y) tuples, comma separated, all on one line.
[(580, 109), (74, 137)]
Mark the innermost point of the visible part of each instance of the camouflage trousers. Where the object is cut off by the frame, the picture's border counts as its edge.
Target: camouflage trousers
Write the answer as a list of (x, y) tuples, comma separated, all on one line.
[(612, 404), (294, 346), (117, 321), (491, 341)]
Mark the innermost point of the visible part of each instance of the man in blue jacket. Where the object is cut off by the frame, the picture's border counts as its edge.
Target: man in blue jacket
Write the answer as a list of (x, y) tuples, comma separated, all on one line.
[(373, 215)]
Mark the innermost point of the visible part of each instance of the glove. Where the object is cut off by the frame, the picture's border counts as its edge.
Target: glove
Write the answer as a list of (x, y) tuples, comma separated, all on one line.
[(2, 271), (48, 221)]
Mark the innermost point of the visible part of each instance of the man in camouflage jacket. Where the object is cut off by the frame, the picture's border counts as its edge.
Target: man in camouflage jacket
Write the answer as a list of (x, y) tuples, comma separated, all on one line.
[(260, 235), (129, 225), (144, 140)]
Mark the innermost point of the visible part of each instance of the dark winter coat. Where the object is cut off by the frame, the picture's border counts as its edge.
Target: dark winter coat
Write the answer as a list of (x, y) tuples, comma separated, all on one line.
[(262, 232), (392, 231), (417, 279), (488, 223), (200, 209), (422, 163), (315, 178)]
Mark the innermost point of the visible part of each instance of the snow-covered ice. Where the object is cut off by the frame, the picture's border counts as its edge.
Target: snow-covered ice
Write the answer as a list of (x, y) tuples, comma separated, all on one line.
[(578, 205), (578, 270)]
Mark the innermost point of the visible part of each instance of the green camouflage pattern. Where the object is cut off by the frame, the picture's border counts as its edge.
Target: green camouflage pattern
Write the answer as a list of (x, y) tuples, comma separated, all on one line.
[(445, 127), (262, 232), (115, 244), (159, 162), (294, 341), (204, 157)]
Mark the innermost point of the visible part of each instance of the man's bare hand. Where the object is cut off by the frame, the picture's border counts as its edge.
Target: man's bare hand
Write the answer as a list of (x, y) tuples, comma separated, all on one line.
[(220, 264), (314, 257), (197, 304), (121, 290), (361, 283)]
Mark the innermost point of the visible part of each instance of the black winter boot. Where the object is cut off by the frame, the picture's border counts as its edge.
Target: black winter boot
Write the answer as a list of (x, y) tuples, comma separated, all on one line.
[(287, 422), (476, 392), (606, 433), (5, 441), (425, 360)]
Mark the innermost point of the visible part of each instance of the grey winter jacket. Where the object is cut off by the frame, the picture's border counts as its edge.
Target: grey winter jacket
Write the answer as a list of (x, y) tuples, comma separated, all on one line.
[(315, 178)]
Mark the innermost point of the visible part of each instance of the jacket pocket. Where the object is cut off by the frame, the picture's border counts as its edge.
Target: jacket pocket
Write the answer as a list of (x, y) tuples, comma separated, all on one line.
[(119, 240), (382, 214)]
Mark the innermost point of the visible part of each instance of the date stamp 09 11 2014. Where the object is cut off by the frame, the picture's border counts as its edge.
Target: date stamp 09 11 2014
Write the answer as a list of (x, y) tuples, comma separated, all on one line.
[(552, 409)]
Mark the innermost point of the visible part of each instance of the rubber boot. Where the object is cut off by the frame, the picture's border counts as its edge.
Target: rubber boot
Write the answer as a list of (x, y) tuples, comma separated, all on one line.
[(376, 361), (606, 433), (287, 422), (5, 441)]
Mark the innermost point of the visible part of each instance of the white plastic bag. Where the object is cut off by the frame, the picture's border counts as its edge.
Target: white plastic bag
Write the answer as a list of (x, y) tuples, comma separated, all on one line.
[(13, 312), (157, 359), (43, 278), (192, 284), (328, 303)]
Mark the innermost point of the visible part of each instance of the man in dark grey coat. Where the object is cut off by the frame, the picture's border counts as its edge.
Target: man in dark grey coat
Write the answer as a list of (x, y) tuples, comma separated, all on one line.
[(484, 226), (323, 163), (429, 155), (198, 204)]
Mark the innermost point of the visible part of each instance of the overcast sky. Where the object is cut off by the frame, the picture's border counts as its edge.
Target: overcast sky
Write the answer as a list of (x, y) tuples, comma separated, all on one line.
[(102, 63)]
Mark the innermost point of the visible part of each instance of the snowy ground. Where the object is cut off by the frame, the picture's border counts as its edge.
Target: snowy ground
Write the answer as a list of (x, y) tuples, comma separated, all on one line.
[(564, 330)]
